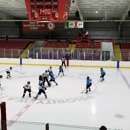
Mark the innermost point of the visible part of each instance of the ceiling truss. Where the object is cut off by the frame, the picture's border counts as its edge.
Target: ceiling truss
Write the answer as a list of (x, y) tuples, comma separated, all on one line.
[(5, 16), (116, 10), (78, 8)]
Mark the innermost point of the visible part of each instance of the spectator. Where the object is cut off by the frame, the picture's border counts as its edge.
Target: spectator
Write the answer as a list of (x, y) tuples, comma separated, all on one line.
[(103, 128), (46, 37), (92, 42), (86, 34), (80, 34), (83, 30)]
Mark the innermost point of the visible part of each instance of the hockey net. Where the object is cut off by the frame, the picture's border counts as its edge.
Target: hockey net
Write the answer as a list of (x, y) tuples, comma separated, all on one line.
[(3, 116)]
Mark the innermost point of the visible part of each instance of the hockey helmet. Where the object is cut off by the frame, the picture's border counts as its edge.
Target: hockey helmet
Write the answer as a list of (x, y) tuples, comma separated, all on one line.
[(88, 77), (101, 68), (28, 82), (10, 68)]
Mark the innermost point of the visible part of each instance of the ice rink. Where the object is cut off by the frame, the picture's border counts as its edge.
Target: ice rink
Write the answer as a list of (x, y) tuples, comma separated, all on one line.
[(107, 104)]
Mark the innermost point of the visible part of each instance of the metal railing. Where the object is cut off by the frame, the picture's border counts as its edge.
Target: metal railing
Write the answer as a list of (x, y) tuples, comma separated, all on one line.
[(79, 54), (73, 54), (10, 53)]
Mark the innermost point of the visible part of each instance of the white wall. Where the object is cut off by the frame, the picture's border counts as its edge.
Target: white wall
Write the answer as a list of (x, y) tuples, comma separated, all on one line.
[(108, 46), (73, 63)]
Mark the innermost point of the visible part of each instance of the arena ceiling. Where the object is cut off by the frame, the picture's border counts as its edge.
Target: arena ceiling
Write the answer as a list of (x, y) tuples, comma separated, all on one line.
[(88, 9)]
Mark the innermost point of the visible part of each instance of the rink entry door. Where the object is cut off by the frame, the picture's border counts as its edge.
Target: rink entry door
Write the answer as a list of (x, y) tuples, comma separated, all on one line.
[(106, 55)]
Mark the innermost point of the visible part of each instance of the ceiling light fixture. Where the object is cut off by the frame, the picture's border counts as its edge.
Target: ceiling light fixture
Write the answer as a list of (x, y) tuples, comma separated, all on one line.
[(96, 11)]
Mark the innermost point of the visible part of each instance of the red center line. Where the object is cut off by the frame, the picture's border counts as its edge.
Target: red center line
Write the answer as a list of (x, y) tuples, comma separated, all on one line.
[(16, 117)]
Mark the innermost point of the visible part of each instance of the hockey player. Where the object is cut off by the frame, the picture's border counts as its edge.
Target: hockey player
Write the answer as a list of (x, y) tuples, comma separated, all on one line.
[(61, 70), (8, 72), (0, 81), (103, 73), (27, 87), (50, 70), (45, 76), (42, 89), (63, 61), (88, 84), (40, 78), (52, 79)]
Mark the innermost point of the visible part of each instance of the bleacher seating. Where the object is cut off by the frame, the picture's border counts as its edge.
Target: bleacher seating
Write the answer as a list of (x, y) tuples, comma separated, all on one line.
[(125, 49), (93, 52), (56, 45), (13, 49), (88, 45)]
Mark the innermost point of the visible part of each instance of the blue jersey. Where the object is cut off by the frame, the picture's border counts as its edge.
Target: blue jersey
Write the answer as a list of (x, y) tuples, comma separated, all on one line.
[(52, 76), (88, 81), (42, 87), (60, 69), (103, 72)]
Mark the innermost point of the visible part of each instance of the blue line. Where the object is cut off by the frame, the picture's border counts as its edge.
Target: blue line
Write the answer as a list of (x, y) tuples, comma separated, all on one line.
[(6, 69), (124, 78)]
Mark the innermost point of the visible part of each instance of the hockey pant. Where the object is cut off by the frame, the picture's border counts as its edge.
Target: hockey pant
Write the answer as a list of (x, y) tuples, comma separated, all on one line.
[(102, 77), (63, 63), (27, 90), (60, 72), (8, 74), (46, 79), (39, 93), (88, 87), (53, 80)]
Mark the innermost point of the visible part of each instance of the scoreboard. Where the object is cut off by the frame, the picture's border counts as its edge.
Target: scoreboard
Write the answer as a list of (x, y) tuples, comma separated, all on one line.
[(48, 10)]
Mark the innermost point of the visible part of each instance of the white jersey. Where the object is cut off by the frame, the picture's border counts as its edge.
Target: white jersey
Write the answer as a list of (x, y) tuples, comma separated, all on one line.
[(63, 59), (50, 69), (27, 86), (45, 75), (8, 70)]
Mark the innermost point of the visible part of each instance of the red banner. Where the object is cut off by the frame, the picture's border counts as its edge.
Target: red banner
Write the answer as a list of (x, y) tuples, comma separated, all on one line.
[(34, 26)]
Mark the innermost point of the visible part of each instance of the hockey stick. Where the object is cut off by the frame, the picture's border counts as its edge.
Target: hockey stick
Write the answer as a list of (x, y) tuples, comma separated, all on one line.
[(83, 90), (34, 92), (1, 87)]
